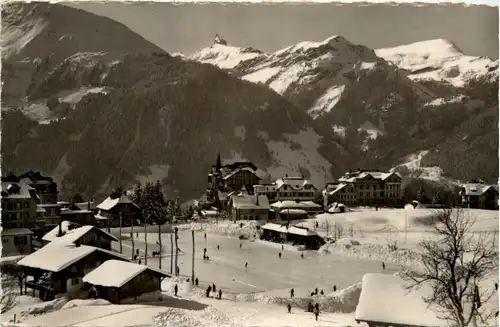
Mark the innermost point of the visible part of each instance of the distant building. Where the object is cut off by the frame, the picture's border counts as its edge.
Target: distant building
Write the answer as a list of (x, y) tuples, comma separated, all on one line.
[(83, 235), (287, 188), (228, 178), (365, 188), (117, 207), (296, 235), (48, 216), (296, 208), (249, 207), (479, 196), (16, 241), (19, 202), (117, 280), (45, 186)]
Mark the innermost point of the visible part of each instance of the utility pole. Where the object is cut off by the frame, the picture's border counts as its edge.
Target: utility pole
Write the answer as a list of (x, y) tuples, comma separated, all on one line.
[(120, 237), (159, 242), (406, 226), (171, 253), (132, 236), (176, 252), (192, 259), (145, 243)]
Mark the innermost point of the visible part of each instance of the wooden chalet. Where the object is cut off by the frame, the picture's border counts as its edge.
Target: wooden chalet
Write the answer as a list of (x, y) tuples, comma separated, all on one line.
[(117, 280), (76, 234), (295, 235), (58, 268), (113, 209)]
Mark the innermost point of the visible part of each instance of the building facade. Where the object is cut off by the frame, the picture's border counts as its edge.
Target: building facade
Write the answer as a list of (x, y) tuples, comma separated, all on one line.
[(287, 188), (16, 241), (479, 196), (19, 202), (249, 207), (45, 186), (118, 210), (366, 188)]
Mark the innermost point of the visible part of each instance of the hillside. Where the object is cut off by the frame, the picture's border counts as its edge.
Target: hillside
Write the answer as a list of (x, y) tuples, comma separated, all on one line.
[(383, 105), (38, 36)]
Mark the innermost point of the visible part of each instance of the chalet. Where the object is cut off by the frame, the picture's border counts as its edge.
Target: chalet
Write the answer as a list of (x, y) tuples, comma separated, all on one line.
[(116, 210), (287, 188), (298, 235), (386, 302), (295, 235), (84, 235), (249, 207), (57, 268), (90, 205), (83, 217), (479, 196), (45, 186), (366, 188), (18, 204), (16, 241), (117, 280)]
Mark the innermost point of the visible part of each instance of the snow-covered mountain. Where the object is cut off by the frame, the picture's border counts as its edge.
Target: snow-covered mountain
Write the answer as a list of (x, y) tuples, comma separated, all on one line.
[(439, 60), (383, 105)]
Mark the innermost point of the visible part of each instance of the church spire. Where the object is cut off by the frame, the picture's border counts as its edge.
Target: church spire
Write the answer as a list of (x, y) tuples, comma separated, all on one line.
[(218, 165)]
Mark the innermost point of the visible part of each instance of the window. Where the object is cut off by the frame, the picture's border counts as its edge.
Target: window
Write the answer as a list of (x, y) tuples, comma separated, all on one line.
[(75, 281), (5, 240), (10, 206), (18, 215), (26, 215), (18, 205), (20, 240), (26, 205)]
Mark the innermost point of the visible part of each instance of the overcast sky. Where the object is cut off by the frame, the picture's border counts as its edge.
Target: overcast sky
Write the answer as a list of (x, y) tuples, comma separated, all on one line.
[(187, 28)]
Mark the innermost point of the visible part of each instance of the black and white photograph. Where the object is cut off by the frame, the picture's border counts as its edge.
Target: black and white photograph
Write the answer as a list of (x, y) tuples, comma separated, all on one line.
[(250, 164)]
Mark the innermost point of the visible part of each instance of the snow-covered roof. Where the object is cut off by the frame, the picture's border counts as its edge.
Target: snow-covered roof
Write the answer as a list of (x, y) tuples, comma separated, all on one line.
[(66, 211), (73, 235), (234, 172), (17, 190), (293, 212), (352, 177), (56, 258), (275, 227), (54, 232), (297, 183), (110, 203), (395, 304), (116, 273), (40, 209), (301, 231), (250, 201), (288, 204), (338, 188), (16, 232), (476, 189), (209, 212)]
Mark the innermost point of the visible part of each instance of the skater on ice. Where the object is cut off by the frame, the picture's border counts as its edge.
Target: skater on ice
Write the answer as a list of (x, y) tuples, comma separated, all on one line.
[(213, 287), (322, 293), (176, 289), (279, 255), (383, 266), (246, 265), (302, 255), (209, 289), (220, 294), (335, 288), (316, 312), (316, 291), (289, 306), (292, 292), (218, 247), (241, 245), (196, 281)]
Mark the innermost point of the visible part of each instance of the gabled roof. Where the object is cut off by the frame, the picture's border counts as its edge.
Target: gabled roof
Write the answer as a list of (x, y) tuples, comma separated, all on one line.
[(275, 227), (74, 235), (288, 204), (110, 203), (65, 227), (18, 190), (115, 273), (296, 183), (55, 258), (476, 189), (234, 172), (83, 206), (352, 177), (301, 231), (245, 201)]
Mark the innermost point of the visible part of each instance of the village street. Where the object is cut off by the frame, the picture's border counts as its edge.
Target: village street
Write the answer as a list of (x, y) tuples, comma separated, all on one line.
[(266, 272)]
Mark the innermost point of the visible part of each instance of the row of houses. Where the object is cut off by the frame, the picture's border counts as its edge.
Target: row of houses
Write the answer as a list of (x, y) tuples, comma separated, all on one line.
[(77, 261)]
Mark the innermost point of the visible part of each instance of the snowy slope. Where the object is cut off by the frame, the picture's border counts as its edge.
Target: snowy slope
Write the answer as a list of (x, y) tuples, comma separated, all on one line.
[(439, 60), (224, 56)]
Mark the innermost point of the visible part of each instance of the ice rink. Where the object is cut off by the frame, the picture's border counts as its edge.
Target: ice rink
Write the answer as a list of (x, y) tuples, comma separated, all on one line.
[(266, 271)]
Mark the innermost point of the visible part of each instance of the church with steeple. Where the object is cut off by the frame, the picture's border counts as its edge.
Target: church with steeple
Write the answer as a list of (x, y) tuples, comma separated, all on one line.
[(225, 179)]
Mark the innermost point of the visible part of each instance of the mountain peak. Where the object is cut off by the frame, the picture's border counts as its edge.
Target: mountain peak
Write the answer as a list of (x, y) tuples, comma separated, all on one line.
[(436, 48), (225, 56)]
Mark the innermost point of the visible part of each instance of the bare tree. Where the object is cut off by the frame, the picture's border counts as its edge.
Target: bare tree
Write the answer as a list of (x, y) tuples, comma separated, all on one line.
[(455, 266)]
